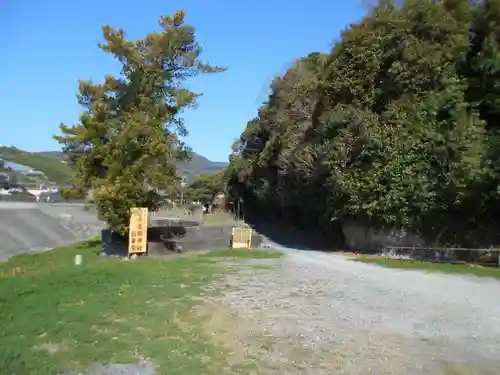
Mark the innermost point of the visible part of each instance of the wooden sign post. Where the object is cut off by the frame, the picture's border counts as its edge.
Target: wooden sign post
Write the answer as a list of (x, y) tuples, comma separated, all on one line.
[(242, 238), (138, 231)]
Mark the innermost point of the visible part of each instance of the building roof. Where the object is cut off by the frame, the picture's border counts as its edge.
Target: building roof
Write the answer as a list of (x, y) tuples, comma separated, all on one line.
[(23, 169)]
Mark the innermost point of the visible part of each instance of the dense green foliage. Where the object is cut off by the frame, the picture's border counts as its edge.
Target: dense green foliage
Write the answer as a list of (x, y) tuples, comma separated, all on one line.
[(204, 187), (129, 137), (396, 127)]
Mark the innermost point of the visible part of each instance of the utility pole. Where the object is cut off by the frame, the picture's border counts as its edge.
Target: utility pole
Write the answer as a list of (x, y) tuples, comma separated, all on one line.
[(183, 185), (242, 208)]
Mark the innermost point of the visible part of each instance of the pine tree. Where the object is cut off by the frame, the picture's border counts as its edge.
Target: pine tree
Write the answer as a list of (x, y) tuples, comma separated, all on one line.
[(129, 136)]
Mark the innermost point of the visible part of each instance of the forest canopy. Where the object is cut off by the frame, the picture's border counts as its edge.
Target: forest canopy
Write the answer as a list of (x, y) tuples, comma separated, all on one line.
[(396, 127)]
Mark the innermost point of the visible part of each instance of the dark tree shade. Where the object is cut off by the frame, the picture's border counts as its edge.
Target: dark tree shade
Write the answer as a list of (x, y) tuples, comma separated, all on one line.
[(396, 127)]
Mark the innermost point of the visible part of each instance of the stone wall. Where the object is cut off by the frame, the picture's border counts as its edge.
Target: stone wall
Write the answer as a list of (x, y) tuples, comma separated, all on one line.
[(361, 237), (186, 236), (365, 239)]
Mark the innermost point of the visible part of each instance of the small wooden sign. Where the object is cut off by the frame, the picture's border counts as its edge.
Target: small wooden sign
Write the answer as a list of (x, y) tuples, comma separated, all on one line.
[(138, 230), (242, 238)]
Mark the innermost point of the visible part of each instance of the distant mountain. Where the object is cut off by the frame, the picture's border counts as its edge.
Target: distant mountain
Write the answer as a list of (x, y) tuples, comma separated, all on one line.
[(198, 164)]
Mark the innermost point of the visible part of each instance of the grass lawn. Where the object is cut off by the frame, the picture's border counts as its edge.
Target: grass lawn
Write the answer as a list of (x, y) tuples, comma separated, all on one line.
[(242, 254), (435, 267), (57, 317)]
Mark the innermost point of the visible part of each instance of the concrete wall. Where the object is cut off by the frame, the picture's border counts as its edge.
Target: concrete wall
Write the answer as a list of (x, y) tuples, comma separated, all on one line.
[(25, 230), (31, 198), (17, 198), (27, 227), (361, 237), (184, 236)]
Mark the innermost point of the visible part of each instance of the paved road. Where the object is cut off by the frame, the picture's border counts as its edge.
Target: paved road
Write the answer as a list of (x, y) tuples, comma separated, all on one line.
[(331, 315), (27, 227)]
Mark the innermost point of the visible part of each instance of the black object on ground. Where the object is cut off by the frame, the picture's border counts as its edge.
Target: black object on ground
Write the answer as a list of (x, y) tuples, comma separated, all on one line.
[(113, 244)]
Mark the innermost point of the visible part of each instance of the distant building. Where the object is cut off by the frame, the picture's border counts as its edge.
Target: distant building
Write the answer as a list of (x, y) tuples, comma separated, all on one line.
[(23, 169), (35, 173)]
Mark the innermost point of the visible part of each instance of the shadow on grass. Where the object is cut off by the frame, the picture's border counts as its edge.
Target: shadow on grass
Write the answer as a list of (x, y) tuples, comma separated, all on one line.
[(243, 254), (95, 243)]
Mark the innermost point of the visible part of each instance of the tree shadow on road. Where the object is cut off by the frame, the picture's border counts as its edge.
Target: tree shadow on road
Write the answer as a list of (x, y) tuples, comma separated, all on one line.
[(292, 236)]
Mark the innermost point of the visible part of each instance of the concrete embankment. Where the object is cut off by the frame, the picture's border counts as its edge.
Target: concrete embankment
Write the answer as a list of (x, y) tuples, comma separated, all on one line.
[(30, 227)]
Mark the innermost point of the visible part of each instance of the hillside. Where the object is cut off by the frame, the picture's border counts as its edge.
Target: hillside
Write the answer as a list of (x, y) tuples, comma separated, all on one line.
[(54, 169), (199, 165), (52, 164)]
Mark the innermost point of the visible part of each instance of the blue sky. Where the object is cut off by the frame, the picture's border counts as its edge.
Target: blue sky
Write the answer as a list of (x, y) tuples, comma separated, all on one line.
[(46, 46)]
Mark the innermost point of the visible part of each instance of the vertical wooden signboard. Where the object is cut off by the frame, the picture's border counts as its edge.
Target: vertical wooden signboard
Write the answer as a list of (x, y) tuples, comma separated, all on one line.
[(242, 238), (138, 230)]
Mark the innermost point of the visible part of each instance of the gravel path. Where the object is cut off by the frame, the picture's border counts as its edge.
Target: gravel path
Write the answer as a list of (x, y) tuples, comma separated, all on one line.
[(330, 315)]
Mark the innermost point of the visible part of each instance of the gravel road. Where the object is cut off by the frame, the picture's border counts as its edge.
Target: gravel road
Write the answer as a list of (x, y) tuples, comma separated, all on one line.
[(326, 314), (318, 313)]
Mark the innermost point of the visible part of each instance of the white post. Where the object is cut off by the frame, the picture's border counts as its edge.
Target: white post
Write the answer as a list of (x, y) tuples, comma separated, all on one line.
[(183, 186), (78, 260)]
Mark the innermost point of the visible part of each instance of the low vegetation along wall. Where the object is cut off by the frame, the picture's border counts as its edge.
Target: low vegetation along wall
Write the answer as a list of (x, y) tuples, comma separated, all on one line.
[(399, 243)]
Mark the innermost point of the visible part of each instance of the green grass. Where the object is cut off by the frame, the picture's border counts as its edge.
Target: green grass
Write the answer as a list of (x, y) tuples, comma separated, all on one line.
[(433, 267), (243, 254), (57, 317), (51, 167)]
